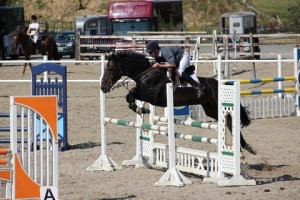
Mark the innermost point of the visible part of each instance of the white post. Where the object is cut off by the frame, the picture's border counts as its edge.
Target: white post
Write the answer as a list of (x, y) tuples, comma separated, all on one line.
[(215, 49), (104, 162), (13, 142), (219, 64), (137, 160), (297, 75), (45, 58), (173, 176), (280, 95)]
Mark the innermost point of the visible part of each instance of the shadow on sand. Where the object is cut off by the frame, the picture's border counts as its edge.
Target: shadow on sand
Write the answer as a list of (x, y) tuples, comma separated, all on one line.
[(268, 180)]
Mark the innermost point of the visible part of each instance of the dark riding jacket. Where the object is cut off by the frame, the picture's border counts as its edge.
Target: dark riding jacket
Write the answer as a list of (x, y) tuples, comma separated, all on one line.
[(171, 55)]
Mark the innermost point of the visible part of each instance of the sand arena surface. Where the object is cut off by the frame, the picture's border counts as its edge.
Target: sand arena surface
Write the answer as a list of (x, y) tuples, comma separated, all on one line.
[(276, 167)]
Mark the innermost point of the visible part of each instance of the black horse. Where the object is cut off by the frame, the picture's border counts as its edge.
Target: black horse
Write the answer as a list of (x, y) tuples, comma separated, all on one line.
[(151, 87)]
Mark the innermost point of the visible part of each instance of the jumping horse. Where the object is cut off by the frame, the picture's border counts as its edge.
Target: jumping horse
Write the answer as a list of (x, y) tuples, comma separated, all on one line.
[(46, 46), (151, 87)]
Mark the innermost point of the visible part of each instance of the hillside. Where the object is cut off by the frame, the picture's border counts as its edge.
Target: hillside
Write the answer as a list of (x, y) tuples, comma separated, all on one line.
[(198, 14)]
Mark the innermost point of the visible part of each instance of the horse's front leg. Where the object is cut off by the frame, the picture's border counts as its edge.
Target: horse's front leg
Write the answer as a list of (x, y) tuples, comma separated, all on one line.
[(130, 98), (24, 68)]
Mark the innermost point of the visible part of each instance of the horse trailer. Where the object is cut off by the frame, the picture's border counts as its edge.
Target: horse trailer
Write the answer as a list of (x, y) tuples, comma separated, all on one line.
[(93, 25), (241, 23)]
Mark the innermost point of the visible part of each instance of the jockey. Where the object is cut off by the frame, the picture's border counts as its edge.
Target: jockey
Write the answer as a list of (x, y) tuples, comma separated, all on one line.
[(34, 29), (174, 57)]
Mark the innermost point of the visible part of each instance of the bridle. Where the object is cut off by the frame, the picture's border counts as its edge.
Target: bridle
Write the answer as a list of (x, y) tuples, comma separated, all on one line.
[(125, 81), (112, 69)]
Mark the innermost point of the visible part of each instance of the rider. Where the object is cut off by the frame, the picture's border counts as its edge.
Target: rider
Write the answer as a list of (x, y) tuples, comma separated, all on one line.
[(34, 30), (174, 57)]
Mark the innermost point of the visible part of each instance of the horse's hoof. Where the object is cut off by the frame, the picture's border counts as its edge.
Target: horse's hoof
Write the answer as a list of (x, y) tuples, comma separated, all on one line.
[(145, 111), (242, 156), (250, 149), (139, 111)]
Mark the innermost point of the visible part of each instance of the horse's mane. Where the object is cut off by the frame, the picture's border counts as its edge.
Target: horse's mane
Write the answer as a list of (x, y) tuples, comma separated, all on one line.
[(130, 56)]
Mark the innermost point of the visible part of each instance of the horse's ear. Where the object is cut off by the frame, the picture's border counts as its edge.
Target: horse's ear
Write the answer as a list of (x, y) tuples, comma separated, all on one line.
[(108, 56), (115, 56)]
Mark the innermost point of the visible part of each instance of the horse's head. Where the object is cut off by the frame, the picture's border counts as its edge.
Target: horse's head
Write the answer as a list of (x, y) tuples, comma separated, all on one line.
[(19, 37), (123, 63), (112, 73), (16, 39)]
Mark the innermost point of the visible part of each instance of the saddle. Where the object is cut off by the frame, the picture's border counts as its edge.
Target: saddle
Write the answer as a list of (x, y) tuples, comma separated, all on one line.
[(153, 78), (176, 78)]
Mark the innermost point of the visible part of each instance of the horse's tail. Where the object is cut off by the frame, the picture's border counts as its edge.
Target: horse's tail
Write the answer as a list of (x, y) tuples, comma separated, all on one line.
[(55, 52), (245, 119)]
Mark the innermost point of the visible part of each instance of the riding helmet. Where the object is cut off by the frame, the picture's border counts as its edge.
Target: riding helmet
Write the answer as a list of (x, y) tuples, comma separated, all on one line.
[(151, 46), (34, 17)]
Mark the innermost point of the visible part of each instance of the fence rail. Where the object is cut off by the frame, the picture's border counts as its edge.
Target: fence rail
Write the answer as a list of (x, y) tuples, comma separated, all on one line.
[(230, 46)]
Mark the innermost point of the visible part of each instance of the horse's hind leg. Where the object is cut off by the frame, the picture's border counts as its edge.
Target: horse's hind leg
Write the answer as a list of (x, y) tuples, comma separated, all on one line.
[(130, 98), (243, 142), (212, 111)]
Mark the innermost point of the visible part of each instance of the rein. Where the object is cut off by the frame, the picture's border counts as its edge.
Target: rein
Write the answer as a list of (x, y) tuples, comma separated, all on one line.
[(122, 83), (126, 81)]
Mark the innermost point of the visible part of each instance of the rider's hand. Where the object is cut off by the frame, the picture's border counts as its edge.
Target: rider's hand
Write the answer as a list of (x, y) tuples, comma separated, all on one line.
[(155, 65)]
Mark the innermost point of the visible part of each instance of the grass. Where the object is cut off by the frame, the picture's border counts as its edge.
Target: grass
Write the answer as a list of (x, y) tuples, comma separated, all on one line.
[(273, 7)]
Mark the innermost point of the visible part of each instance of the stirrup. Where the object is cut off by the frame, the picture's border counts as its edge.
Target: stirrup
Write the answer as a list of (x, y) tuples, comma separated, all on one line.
[(200, 91)]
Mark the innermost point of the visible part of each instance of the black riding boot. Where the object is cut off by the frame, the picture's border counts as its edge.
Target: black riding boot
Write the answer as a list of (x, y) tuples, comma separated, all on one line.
[(35, 48), (199, 88)]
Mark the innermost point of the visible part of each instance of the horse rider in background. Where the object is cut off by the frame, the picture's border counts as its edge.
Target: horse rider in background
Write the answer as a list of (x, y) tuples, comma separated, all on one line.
[(169, 57), (34, 30)]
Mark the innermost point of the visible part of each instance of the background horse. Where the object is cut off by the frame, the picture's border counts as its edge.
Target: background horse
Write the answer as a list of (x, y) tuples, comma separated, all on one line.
[(151, 87), (47, 46)]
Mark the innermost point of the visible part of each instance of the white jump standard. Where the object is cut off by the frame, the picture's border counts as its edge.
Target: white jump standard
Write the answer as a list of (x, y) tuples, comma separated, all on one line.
[(222, 167)]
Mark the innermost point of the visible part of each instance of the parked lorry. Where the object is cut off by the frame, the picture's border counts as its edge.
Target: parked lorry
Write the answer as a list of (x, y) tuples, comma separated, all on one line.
[(156, 15), (125, 16)]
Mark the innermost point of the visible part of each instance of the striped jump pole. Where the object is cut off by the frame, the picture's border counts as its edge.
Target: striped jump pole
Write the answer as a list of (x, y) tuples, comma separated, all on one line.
[(275, 107), (194, 138), (4, 152), (268, 91), (136, 125), (188, 123), (262, 80)]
